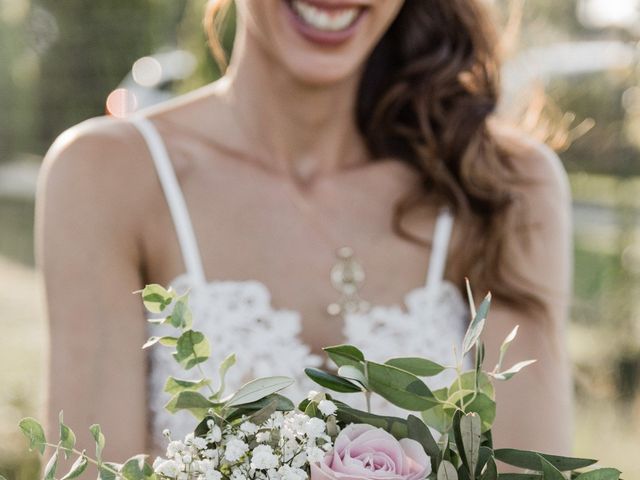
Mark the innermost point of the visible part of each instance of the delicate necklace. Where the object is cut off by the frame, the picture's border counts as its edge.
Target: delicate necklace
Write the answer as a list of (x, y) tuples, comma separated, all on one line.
[(347, 274)]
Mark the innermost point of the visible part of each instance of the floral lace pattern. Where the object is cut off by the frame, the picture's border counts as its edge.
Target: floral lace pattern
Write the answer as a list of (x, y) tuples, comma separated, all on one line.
[(239, 315)]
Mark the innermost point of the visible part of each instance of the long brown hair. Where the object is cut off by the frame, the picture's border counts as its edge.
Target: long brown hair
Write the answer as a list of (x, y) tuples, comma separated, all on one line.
[(426, 94)]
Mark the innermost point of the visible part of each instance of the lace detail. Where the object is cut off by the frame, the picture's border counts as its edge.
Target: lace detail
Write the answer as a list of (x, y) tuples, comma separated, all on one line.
[(239, 317)]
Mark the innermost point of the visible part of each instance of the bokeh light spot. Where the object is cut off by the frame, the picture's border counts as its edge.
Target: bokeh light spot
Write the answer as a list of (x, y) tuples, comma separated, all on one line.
[(147, 72), (121, 102)]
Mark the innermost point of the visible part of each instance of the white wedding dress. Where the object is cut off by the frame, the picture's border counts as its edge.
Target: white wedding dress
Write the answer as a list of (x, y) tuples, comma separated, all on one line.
[(237, 316)]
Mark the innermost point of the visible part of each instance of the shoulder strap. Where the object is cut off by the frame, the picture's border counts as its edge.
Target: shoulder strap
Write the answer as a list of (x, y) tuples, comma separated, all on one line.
[(440, 248), (174, 197)]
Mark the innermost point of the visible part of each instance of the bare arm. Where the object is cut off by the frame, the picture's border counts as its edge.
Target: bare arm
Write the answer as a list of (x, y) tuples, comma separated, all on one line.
[(89, 253), (538, 401)]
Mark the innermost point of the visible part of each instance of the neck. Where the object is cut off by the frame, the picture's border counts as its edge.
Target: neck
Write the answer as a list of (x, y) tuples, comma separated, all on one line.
[(301, 130)]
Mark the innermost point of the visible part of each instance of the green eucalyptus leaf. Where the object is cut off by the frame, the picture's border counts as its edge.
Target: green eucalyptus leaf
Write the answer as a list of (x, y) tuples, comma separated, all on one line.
[(264, 413), (353, 373), (345, 355), (181, 316), (438, 417), (520, 476), (470, 425), (600, 474), (34, 432), (98, 437), (487, 463), (531, 461), (283, 404), (550, 472), (467, 381), (258, 389), (78, 468), (312, 410), (192, 349), (477, 325), (67, 437), (459, 395), (420, 367), (473, 337), (394, 425), (506, 375), (332, 382), (505, 346), (167, 341), (485, 407), (418, 431), (106, 471), (156, 298), (136, 469), (400, 388), (447, 471), (52, 466), (176, 385), (224, 367), (193, 402)]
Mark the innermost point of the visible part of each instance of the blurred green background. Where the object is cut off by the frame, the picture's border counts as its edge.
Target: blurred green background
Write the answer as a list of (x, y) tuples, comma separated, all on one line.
[(64, 61)]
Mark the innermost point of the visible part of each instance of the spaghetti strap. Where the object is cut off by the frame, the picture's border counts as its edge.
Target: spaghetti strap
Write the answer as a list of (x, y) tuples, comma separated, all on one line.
[(440, 248), (175, 198)]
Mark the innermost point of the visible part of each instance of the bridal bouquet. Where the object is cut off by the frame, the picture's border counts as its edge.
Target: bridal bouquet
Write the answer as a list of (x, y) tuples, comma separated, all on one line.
[(257, 433)]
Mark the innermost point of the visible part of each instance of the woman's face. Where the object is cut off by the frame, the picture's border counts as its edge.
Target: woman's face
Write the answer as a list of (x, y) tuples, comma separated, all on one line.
[(318, 41)]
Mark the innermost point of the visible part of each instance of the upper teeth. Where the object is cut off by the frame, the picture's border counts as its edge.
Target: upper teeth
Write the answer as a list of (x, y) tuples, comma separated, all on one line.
[(324, 19)]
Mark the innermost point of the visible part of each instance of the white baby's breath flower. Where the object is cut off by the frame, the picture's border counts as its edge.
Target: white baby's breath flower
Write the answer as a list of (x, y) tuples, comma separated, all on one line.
[(212, 454), (314, 427), (212, 474), (262, 458), (215, 434), (237, 474), (174, 448), (200, 443), (168, 468), (235, 449), (315, 454), (290, 473), (327, 407), (262, 437), (300, 460), (311, 395), (249, 428), (275, 421)]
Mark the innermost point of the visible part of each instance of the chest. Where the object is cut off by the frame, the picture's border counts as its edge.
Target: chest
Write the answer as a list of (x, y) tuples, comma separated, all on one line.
[(250, 224)]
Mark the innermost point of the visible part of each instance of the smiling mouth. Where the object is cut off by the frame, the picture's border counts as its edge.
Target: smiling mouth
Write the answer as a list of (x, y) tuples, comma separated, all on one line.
[(324, 17)]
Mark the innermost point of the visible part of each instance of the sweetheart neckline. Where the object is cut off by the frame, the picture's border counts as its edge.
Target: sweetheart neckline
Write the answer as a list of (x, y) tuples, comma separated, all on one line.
[(402, 305)]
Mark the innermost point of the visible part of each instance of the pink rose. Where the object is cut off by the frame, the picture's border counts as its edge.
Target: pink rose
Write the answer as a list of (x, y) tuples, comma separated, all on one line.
[(366, 452)]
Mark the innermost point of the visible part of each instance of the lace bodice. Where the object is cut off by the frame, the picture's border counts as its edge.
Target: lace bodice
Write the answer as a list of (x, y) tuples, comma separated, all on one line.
[(238, 317)]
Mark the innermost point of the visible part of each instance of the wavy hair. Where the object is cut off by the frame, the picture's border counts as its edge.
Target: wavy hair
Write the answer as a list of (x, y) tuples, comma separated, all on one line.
[(428, 89)]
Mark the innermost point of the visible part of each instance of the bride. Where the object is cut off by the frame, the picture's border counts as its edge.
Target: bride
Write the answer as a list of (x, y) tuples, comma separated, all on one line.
[(362, 127)]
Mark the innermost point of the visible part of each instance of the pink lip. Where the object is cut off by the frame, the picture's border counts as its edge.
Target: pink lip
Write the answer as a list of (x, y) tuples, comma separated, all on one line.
[(319, 36)]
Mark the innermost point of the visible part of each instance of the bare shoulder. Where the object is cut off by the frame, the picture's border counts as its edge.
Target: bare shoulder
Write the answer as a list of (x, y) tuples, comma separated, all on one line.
[(98, 175), (94, 152), (103, 161)]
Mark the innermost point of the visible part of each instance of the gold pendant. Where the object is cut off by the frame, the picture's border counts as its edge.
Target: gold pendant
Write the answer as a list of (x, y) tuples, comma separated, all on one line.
[(347, 276)]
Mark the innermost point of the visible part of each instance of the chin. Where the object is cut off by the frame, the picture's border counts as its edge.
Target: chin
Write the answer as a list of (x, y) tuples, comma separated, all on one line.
[(320, 42)]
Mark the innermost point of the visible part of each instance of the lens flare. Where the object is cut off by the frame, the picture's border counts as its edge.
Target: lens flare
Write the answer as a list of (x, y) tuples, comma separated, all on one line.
[(121, 102), (147, 72)]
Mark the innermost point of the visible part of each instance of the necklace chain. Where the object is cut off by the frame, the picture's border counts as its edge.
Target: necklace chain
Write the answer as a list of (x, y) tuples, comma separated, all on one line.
[(347, 275)]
